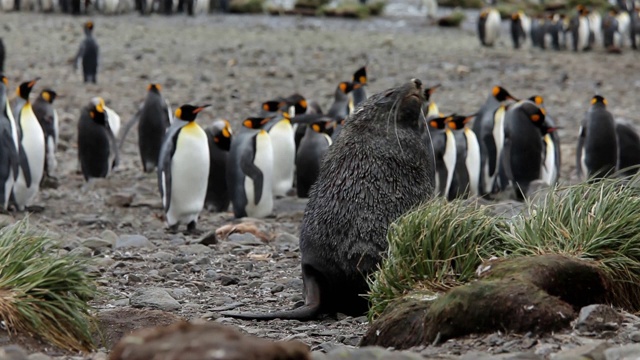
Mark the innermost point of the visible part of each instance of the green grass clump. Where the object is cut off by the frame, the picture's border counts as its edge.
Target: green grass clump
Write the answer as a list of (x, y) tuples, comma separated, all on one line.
[(452, 20), (598, 221), (246, 6), (44, 294), (434, 248), (465, 4)]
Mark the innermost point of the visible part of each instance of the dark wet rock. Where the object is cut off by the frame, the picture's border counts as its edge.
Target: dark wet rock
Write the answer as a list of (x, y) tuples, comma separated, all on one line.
[(154, 298), (133, 241), (226, 280), (208, 239), (597, 318)]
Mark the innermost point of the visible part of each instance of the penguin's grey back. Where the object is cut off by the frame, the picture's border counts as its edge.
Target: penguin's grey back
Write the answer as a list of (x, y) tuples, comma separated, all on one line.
[(153, 124)]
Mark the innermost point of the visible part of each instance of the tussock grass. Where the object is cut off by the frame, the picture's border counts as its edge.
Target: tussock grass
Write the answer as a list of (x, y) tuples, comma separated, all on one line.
[(44, 294), (597, 221), (434, 248)]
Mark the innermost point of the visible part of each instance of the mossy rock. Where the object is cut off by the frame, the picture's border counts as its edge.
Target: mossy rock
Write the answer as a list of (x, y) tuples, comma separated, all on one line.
[(246, 6), (310, 4), (528, 294), (452, 20), (465, 4), (350, 11)]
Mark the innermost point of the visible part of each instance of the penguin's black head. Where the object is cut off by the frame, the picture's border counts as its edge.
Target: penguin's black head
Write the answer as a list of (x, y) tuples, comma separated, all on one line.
[(345, 87), (48, 95), (515, 16), (439, 122), (501, 94), (5, 81), (189, 112), (457, 122), (537, 99), (298, 102), (536, 115), (274, 106), (222, 138), (25, 88), (154, 87), (323, 127), (256, 122), (598, 100), (429, 91), (97, 111), (360, 76)]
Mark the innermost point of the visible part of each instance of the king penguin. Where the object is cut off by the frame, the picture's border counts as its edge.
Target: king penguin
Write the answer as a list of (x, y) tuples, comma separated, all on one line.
[(597, 151), (31, 150), (313, 147), (359, 93), (154, 119), (250, 171), (97, 148), (467, 170), (489, 26), (520, 27), (445, 153), (220, 137), (580, 30), (551, 158), (9, 162), (48, 118), (523, 151), (628, 148), (488, 127), (88, 53), (183, 169)]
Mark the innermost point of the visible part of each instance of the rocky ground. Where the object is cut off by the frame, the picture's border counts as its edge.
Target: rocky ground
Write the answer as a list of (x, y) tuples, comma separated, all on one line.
[(234, 63)]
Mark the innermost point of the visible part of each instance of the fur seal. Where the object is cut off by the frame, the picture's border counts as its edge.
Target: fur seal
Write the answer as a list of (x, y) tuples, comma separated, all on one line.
[(377, 170)]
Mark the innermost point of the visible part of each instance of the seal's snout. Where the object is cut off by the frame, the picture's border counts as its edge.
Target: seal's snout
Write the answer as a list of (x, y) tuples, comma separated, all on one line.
[(418, 83)]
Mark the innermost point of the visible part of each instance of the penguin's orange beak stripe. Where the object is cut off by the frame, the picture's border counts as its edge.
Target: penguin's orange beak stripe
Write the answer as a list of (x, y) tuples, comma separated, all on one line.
[(198, 109)]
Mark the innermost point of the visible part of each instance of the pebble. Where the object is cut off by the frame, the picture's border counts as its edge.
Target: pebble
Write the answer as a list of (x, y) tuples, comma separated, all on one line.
[(163, 256), (81, 251), (624, 352), (133, 241), (13, 352), (96, 243), (226, 280), (635, 336), (194, 249), (247, 239), (109, 236), (38, 356), (155, 298), (597, 318)]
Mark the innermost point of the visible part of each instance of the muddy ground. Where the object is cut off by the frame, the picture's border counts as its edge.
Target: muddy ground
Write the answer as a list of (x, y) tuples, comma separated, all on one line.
[(234, 63)]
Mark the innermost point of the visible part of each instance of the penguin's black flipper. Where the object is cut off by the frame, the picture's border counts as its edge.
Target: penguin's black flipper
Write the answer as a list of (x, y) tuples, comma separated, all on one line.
[(164, 164), (128, 127), (24, 165), (253, 172)]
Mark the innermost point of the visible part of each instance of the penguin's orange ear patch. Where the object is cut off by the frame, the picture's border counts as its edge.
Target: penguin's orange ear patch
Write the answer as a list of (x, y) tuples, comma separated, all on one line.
[(452, 125), (495, 91), (5, 81), (46, 96), (535, 117), (248, 123), (178, 113), (92, 114), (316, 128), (433, 124)]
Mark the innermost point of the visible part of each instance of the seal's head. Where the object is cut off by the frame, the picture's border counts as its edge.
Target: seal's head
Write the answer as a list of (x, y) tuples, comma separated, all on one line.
[(402, 104)]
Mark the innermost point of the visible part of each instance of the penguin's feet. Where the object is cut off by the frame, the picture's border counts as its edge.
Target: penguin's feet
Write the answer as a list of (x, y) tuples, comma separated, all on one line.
[(173, 229), (35, 208), (191, 229)]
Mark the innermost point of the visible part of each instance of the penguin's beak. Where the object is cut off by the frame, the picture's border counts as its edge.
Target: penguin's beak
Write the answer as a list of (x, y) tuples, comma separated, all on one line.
[(200, 108), (33, 82)]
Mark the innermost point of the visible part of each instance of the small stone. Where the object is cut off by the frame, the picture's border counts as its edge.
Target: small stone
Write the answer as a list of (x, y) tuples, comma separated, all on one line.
[(96, 243), (370, 352), (597, 318), (103, 262), (13, 352), (178, 267), (99, 356), (132, 279), (81, 251), (195, 249), (136, 241), (109, 236), (594, 350), (39, 356), (162, 256), (120, 199), (286, 238), (635, 336), (154, 298), (208, 238), (247, 239), (624, 352), (196, 269), (277, 288), (203, 261), (211, 275), (226, 280), (180, 259)]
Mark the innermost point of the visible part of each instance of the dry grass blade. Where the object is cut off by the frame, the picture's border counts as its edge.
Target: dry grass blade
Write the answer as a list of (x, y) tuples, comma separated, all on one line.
[(44, 294)]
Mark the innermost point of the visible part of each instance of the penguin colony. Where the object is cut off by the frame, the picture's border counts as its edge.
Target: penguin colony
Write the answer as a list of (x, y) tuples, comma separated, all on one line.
[(581, 30), (113, 7), (507, 143)]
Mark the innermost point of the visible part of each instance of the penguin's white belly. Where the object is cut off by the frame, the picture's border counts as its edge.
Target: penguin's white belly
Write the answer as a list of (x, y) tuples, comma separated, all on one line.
[(492, 27), (583, 34), (264, 161), (7, 5), (110, 6), (52, 163), (284, 158), (449, 158), (473, 162), (201, 6), (34, 148), (47, 5), (189, 177), (114, 121)]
